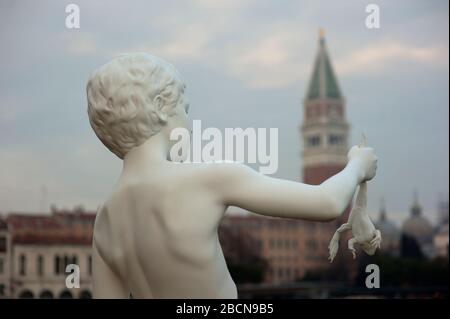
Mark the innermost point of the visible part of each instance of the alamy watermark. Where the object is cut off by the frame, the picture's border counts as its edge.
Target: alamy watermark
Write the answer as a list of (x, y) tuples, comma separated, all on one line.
[(373, 17), (73, 16), (372, 20), (73, 277), (250, 145), (373, 279)]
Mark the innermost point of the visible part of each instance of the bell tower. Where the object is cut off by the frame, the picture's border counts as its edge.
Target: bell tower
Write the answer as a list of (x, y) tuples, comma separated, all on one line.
[(324, 128), (324, 140)]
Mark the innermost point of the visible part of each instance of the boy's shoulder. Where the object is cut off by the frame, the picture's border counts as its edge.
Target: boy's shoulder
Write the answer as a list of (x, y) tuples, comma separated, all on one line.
[(219, 171), (216, 176)]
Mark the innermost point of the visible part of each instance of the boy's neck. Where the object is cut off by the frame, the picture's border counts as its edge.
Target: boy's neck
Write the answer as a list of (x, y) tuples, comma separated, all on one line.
[(152, 151)]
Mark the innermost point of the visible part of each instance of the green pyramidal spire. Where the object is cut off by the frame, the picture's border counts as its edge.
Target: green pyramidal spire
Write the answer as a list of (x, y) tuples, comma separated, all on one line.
[(323, 83)]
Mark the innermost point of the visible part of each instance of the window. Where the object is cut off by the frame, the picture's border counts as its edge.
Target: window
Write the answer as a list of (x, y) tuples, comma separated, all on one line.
[(2, 244), (66, 262), (334, 139), (40, 265), (311, 245), (57, 265), (90, 265), (287, 243), (311, 227), (22, 265), (280, 273), (1, 266), (313, 141)]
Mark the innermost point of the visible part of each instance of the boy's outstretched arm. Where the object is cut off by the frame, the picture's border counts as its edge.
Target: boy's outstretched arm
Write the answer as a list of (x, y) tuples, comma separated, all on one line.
[(243, 187)]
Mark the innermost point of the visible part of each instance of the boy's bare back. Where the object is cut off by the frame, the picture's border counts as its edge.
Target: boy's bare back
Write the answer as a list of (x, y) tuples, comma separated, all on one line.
[(161, 227)]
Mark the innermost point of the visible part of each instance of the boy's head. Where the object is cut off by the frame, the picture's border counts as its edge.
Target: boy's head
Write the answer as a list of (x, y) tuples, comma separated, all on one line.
[(134, 97)]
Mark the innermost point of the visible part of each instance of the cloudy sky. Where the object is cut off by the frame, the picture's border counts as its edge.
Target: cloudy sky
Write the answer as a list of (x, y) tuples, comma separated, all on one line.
[(246, 64)]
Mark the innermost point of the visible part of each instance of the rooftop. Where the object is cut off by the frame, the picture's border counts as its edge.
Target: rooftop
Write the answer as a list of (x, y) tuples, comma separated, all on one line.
[(323, 82)]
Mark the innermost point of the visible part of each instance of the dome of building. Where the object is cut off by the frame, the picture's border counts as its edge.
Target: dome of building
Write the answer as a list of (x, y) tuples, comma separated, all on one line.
[(390, 234), (417, 226), (384, 224)]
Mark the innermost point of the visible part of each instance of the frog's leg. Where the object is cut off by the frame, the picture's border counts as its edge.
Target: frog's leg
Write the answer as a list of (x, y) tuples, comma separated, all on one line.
[(376, 241), (334, 243), (351, 246), (344, 227)]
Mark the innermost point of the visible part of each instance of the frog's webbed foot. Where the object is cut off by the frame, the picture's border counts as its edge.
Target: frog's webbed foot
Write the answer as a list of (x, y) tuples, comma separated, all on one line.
[(351, 246), (376, 241), (333, 249)]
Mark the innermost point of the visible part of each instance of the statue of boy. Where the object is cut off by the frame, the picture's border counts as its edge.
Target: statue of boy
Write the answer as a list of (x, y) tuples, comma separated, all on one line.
[(156, 235)]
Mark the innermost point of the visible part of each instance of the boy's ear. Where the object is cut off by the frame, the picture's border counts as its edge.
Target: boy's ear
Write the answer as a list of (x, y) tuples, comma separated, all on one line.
[(161, 108)]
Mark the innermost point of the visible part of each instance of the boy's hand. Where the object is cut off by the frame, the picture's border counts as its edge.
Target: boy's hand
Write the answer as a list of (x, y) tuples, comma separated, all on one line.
[(367, 160)]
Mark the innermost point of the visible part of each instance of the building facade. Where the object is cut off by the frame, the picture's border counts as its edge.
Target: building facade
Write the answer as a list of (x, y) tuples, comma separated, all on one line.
[(288, 246), (441, 238), (417, 227), (39, 248), (4, 258)]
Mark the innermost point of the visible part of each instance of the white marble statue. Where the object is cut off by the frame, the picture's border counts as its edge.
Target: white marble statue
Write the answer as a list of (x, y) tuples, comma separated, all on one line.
[(156, 235)]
